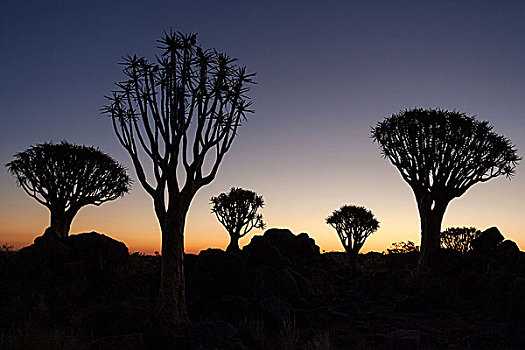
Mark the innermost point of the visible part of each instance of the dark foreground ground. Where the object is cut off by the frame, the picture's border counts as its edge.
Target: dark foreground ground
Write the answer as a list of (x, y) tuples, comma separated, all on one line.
[(87, 292)]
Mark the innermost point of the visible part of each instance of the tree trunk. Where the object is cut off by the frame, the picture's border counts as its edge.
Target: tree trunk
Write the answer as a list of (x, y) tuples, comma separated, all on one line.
[(352, 259), (233, 246), (61, 223), (171, 305), (431, 219)]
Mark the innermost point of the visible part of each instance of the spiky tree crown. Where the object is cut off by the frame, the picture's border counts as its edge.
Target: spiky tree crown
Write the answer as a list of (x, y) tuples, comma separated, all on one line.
[(354, 224), (69, 176), (237, 210), (444, 152)]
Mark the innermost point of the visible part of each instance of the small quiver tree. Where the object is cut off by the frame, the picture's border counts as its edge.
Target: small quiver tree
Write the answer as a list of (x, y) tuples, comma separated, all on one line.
[(65, 177), (353, 224), (237, 212), (459, 238), (441, 154)]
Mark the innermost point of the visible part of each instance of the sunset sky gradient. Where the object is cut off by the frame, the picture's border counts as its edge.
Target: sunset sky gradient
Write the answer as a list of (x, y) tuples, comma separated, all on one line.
[(326, 72)]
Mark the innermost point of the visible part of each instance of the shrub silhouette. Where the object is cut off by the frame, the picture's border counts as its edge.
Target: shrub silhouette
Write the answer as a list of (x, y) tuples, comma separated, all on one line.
[(178, 114), (65, 177), (403, 247), (237, 212), (459, 238), (353, 224), (441, 154), (6, 250)]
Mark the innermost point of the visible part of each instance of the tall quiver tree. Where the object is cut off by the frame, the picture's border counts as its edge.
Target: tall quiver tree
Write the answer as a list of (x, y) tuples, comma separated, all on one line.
[(65, 177), (353, 224), (181, 112), (237, 212), (441, 154)]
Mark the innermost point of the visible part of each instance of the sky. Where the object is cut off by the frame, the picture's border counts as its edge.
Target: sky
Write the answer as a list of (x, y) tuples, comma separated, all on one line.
[(327, 71)]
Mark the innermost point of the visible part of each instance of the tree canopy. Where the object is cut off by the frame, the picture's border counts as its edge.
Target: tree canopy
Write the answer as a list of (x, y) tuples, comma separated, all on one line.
[(65, 177), (444, 152)]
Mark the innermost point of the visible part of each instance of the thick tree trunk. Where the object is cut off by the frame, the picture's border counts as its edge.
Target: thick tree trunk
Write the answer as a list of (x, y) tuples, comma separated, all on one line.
[(171, 305), (431, 219), (61, 223), (233, 246)]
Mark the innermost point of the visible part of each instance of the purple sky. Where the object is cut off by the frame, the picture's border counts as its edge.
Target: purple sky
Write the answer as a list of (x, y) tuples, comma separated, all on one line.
[(327, 71)]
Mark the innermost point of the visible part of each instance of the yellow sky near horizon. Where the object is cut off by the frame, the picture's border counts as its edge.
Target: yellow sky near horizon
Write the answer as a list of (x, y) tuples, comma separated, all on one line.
[(131, 219)]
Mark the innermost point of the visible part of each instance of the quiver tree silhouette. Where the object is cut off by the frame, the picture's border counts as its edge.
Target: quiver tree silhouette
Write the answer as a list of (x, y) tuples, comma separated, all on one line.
[(459, 238), (353, 224), (237, 212), (65, 177), (441, 154), (181, 112)]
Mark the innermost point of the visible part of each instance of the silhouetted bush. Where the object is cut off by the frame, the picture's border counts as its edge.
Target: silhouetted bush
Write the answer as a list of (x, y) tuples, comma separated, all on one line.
[(403, 247), (6, 251), (237, 212), (459, 238), (65, 177), (354, 225)]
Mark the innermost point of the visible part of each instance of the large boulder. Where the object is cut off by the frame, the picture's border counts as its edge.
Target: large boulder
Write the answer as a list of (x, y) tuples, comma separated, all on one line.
[(45, 253), (261, 251), (217, 273), (488, 240), (99, 249), (276, 247), (68, 256), (509, 253)]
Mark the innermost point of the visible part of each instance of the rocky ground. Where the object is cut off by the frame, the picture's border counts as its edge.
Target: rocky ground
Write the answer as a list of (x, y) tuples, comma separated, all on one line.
[(87, 292)]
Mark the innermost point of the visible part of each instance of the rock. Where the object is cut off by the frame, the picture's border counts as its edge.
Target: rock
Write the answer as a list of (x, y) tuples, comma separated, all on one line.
[(402, 339), (284, 284), (300, 247), (97, 248), (108, 317), (517, 297), (274, 309), (217, 273), (276, 247), (471, 286), (117, 342), (45, 253), (487, 240), (446, 262), (509, 253), (434, 293), (261, 252)]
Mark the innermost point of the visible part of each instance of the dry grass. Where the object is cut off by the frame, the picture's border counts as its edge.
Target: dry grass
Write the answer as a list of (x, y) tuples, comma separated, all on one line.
[(32, 335)]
